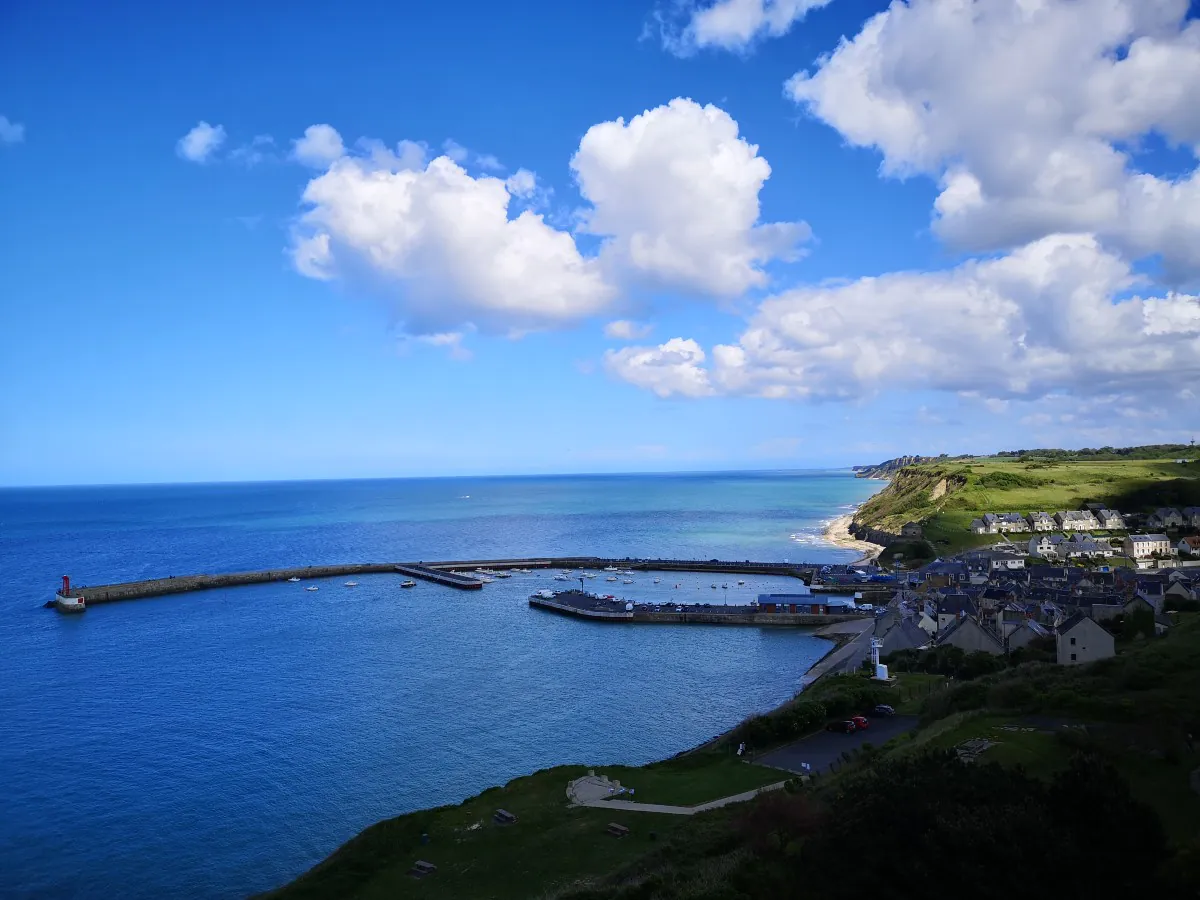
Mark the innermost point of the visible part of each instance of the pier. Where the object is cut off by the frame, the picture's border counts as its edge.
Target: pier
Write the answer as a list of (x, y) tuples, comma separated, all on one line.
[(448, 573), (447, 577), (599, 609)]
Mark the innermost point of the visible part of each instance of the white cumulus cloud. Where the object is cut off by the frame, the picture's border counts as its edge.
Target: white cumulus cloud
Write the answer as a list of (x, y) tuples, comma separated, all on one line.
[(676, 367), (201, 142), (11, 132), (730, 24), (1026, 113), (673, 196), (319, 147), (443, 244), (1053, 316), (521, 183), (625, 330), (674, 192)]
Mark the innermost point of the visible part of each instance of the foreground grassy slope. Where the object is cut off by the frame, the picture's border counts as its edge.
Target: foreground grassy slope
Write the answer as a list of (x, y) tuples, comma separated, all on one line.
[(550, 847), (946, 496)]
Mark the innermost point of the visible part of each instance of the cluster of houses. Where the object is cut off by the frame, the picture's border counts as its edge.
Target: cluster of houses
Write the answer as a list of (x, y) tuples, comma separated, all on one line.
[(1093, 517), (1078, 541), (990, 600)]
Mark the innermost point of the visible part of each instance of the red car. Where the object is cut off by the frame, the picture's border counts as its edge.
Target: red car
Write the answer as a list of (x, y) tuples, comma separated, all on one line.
[(860, 722)]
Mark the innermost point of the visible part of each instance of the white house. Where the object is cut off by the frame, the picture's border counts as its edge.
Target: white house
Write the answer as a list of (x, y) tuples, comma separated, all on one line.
[(1143, 546), (1110, 520), (1081, 640), (1043, 545), (1041, 521), (1189, 545)]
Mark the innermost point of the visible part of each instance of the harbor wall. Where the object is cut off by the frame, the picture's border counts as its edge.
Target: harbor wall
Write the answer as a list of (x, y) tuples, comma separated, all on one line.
[(157, 587)]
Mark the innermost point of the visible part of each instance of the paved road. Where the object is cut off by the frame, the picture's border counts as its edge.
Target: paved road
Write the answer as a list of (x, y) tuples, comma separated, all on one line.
[(823, 748)]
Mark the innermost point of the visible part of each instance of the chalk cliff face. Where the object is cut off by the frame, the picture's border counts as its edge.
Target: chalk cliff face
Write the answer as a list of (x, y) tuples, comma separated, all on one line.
[(890, 467)]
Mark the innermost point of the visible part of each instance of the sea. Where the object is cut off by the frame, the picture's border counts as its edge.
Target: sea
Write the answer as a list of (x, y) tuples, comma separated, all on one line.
[(220, 743)]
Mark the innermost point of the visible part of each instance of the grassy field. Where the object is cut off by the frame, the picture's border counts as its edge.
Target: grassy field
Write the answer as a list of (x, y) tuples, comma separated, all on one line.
[(946, 496), (550, 847)]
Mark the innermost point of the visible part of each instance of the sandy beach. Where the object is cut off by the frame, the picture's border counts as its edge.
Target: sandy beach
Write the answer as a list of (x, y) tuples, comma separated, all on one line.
[(837, 533)]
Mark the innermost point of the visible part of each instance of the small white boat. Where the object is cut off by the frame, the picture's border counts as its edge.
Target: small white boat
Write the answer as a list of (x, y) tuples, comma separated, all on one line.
[(407, 584), (611, 569), (561, 577), (350, 584), (486, 580), (312, 587), (293, 579), (740, 583), (724, 587), (657, 580), (714, 587), (611, 578), (628, 581)]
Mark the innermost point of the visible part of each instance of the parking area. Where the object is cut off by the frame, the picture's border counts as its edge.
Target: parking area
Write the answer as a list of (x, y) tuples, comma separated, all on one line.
[(821, 749)]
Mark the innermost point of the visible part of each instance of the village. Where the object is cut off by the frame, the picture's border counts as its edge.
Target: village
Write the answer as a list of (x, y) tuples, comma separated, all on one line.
[(1064, 587)]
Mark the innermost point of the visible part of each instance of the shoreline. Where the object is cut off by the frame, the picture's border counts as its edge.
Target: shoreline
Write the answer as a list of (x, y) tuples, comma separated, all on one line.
[(837, 532)]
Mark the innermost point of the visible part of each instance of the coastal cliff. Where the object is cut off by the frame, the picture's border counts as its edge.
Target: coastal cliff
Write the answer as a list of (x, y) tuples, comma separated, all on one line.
[(916, 492), (890, 467)]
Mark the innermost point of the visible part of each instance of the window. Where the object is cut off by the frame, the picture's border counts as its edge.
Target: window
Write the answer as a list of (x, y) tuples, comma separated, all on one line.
[(1072, 657), (1072, 642)]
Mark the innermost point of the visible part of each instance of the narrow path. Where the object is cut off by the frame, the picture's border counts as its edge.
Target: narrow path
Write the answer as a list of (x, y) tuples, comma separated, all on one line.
[(634, 806)]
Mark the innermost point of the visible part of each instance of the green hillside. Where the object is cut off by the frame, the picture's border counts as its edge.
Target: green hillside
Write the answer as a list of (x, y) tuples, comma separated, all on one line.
[(946, 496)]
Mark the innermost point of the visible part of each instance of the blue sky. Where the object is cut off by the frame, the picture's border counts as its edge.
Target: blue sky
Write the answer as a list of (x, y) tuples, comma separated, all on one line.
[(931, 288)]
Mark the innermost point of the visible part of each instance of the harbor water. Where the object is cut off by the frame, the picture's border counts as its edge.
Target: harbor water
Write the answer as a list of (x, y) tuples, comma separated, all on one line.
[(220, 743)]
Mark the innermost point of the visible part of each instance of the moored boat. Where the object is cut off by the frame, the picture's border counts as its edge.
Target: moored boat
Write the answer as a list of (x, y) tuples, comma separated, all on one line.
[(408, 584), (312, 587), (350, 584), (293, 578), (65, 602)]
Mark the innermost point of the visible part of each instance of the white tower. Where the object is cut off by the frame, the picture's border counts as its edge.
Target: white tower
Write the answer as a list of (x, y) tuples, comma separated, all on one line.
[(881, 671)]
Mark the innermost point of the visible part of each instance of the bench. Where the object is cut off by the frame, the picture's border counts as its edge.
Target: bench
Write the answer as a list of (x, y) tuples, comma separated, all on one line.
[(617, 830), (421, 868), (504, 817)]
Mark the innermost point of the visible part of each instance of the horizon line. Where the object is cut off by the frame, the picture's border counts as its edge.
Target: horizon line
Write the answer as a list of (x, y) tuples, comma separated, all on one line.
[(335, 480)]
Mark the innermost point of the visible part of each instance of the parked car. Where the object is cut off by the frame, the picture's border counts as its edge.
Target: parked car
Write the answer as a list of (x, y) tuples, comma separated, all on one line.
[(860, 722), (883, 710), (846, 727)]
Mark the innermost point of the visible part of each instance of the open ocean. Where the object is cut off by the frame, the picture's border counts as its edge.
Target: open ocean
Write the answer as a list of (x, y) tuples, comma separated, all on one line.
[(220, 743)]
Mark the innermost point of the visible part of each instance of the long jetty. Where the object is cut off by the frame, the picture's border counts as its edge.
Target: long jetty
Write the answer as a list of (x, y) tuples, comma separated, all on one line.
[(447, 573)]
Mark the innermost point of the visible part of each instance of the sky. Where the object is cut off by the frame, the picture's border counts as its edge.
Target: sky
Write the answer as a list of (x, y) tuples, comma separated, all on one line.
[(274, 241)]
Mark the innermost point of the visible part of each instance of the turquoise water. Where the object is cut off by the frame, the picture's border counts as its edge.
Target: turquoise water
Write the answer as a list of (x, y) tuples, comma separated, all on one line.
[(219, 743)]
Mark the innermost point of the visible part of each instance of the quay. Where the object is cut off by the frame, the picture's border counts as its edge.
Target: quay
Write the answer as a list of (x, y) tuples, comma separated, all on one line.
[(449, 573), (600, 609)]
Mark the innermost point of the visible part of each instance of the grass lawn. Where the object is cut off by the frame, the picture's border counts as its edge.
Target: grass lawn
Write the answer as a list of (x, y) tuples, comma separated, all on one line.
[(691, 780), (549, 847)]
